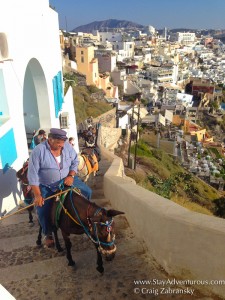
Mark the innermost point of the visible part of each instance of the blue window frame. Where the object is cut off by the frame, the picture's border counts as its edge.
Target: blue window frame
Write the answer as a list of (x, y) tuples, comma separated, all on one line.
[(58, 93)]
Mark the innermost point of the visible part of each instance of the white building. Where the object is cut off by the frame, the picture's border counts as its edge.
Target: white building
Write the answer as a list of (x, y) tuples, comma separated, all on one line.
[(166, 73), (124, 49), (186, 38), (184, 99), (151, 30), (31, 90), (110, 36)]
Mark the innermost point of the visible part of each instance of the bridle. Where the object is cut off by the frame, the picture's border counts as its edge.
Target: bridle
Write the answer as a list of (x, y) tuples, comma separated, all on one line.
[(26, 188), (92, 227)]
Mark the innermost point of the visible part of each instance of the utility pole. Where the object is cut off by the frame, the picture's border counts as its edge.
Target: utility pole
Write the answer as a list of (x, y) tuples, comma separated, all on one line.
[(131, 135), (131, 126), (136, 142)]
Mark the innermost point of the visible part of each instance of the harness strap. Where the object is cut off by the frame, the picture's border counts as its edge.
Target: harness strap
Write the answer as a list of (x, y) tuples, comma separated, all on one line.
[(19, 210), (85, 163), (67, 213), (61, 202)]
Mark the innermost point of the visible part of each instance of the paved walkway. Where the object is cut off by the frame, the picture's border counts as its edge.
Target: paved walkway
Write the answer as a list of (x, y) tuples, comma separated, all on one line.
[(28, 272)]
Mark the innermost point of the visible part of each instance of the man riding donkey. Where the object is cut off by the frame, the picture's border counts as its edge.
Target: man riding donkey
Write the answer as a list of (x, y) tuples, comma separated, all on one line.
[(53, 163)]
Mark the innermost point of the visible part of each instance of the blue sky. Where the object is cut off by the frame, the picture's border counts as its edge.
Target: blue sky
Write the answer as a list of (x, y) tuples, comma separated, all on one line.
[(199, 14)]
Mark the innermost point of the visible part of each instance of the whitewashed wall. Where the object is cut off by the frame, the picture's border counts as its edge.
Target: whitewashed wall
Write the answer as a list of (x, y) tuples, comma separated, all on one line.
[(33, 40), (68, 106)]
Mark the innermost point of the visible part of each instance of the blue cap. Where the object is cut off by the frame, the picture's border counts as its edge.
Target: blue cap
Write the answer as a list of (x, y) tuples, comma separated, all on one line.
[(58, 134)]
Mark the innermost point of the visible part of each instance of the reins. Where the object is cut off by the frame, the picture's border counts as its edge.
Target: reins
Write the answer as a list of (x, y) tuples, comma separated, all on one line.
[(108, 224), (28, 206), (95, 239), (80, 223), (65, 210)]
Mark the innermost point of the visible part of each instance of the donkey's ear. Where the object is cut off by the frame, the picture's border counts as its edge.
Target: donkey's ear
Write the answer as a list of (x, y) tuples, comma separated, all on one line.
[(113, 213)]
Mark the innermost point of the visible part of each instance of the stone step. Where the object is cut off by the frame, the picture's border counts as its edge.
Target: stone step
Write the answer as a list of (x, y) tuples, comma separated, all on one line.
[(43, 266), (53, 279), (44, 274), (30, 272)]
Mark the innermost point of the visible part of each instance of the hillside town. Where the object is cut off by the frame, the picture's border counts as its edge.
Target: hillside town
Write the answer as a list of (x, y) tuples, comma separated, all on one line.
[(112, 149), (177, 81)]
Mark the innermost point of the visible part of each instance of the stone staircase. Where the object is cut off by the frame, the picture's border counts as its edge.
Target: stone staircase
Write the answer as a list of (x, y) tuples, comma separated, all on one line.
[(29, 272)]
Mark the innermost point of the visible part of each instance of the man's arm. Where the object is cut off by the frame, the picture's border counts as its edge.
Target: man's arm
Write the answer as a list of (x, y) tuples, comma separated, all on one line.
[(33, 178), (38, 199), (74, 162), (73, 169)]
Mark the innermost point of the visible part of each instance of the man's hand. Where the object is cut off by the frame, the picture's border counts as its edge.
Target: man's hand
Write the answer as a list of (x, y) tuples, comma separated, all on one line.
[(38, 200), (68, 180)]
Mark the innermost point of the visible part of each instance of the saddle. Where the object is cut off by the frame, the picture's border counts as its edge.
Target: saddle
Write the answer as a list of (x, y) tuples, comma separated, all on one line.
[(57, 209), (90, 155)]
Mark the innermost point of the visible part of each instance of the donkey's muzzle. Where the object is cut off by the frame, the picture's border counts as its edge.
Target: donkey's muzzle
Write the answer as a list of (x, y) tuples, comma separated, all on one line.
[(108, 254)]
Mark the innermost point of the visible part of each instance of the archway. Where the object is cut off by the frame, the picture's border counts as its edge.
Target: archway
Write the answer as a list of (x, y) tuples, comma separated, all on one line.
[(36, 109)]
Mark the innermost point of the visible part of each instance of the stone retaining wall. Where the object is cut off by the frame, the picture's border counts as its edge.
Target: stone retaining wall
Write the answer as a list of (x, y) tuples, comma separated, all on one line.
[(107, 119), (110, 137), (187, 244)]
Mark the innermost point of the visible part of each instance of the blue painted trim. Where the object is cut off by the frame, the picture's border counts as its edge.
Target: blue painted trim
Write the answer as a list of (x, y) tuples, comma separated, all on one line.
[(8, 153), (58, 93)]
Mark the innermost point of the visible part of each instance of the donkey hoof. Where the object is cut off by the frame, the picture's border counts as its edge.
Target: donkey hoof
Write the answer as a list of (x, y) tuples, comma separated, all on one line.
[(39, 243), (100, 270), (71, 263), (59, 249)]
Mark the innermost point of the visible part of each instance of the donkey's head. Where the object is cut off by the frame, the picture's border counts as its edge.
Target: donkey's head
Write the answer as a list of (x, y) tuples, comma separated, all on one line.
[(103, 231), (22, 173)]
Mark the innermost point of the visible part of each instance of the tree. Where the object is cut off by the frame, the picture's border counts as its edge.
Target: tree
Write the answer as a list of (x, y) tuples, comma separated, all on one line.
[(70, 80)]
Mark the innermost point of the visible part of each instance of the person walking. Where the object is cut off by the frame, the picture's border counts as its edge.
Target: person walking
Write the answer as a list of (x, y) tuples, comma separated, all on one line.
[(72, 141), (37, 139)]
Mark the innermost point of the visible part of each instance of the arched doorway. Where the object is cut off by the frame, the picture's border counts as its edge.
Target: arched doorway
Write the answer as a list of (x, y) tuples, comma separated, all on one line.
[(36, 109)]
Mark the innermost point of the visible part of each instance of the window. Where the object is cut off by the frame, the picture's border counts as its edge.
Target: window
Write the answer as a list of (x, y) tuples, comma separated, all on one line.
[(82, 52), (64, 120), (82, 59)]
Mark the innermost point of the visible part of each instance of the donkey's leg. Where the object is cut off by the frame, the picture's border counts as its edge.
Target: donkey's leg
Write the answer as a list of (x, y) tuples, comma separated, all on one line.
[(38, 242), (68, 246), (56, 238), (100, 267), (30, 214)]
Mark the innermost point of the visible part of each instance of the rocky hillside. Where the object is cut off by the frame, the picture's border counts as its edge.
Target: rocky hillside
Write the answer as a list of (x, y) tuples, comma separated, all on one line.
[(107, 24), (163, 175)]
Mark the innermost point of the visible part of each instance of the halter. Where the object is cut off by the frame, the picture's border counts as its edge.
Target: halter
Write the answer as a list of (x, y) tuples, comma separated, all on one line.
[(25, 167), (93, 225), (95, 239), (26, 188)]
